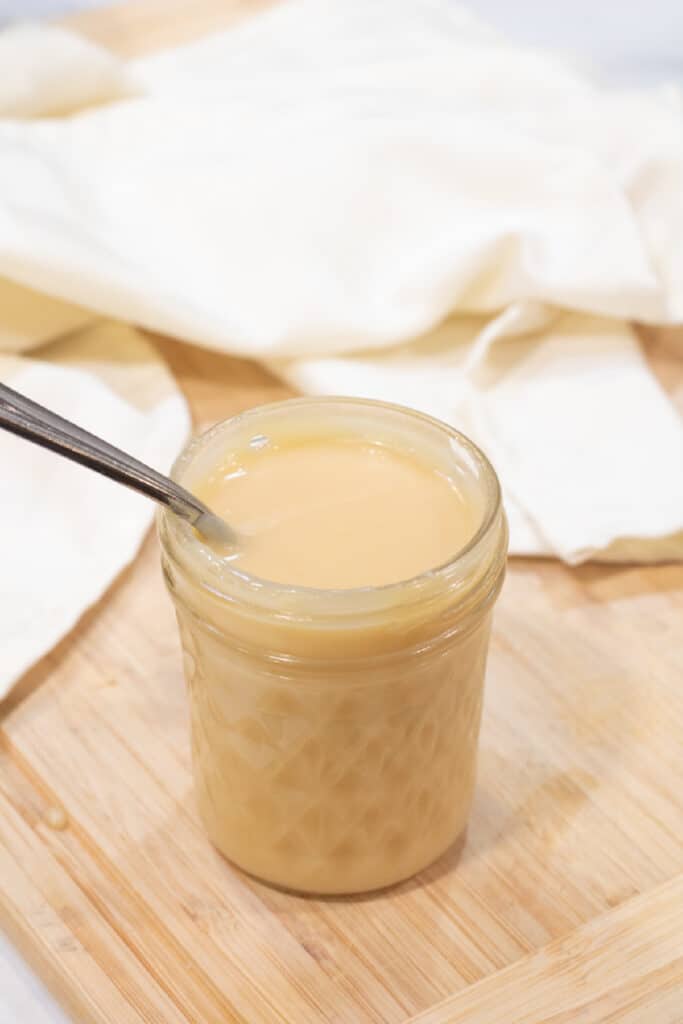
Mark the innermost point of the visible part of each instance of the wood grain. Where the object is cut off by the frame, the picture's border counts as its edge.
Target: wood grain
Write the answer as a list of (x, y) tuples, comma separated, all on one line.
[(566, 902), (626, 966)]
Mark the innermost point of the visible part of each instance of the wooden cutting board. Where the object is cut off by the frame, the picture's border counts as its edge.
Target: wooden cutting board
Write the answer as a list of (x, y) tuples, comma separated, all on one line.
[(567, 902)]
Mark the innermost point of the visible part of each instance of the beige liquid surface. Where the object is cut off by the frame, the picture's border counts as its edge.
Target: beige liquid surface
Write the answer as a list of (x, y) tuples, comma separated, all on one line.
[(338, 513)]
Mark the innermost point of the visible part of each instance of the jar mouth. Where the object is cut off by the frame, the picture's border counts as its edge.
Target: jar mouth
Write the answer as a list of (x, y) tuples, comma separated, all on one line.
[(221, 576)]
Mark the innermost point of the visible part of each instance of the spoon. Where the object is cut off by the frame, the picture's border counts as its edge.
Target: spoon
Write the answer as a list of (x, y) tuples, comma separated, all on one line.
[(34, 422)]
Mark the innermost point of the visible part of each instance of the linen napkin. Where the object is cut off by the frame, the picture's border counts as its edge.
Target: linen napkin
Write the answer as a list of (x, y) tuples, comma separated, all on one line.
[(45, 70), (66, 532), (384, 198)]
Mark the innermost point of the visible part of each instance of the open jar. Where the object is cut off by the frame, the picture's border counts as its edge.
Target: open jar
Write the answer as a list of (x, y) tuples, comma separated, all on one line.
[(334, 732)]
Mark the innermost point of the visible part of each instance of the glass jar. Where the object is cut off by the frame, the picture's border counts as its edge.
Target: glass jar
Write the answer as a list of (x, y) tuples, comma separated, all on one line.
[(334, 732)]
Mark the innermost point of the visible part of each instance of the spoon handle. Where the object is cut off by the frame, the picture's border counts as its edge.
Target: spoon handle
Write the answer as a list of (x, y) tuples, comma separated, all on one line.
[(28, 419)]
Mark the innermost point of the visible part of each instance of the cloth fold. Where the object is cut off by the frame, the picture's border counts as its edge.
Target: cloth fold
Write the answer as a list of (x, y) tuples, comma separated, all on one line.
[(373, 197), (67, 532), (47, 71)]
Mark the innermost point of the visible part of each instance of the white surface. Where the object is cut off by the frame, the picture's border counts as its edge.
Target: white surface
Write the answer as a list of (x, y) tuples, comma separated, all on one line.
[(630, 40), (14, 9), (23, 999)]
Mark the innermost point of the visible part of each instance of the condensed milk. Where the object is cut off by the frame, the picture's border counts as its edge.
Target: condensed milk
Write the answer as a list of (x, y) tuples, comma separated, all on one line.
[(335, 662), (337, 512)]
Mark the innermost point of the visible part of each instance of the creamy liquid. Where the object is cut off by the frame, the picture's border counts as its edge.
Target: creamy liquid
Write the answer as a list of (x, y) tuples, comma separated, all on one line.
[(338, 513), (336, 753)]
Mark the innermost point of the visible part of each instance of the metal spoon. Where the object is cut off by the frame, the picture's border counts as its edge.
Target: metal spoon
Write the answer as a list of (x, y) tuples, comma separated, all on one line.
[(34, 422)]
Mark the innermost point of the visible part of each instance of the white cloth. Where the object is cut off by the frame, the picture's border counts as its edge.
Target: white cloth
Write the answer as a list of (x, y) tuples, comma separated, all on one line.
[(344, 174), (374, 197), (46, 71), (67, 533)]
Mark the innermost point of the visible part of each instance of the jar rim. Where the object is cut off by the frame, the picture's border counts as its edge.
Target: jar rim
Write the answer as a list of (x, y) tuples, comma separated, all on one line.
[(173, 529)]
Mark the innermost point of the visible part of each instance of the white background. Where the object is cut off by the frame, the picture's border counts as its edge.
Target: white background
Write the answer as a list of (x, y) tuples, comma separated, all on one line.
[(630, 41)]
